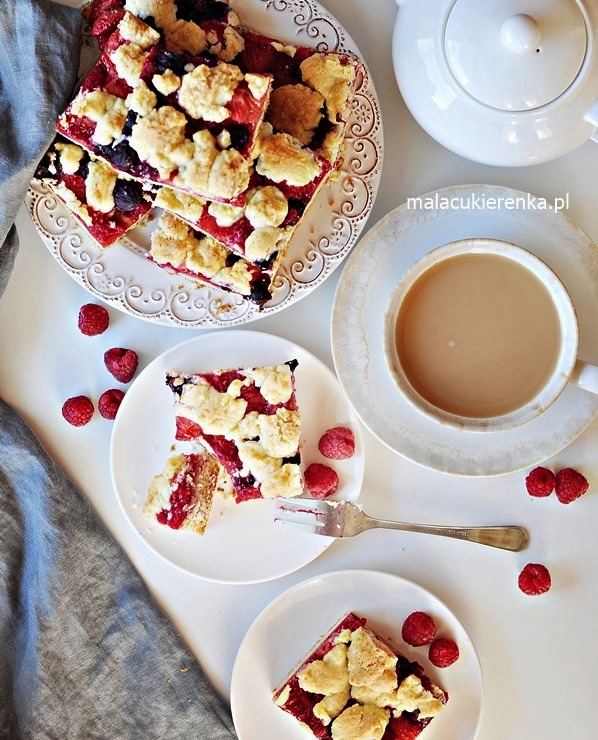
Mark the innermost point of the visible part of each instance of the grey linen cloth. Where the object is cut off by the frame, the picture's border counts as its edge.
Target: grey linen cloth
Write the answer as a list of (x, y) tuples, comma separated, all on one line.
[(84, 650)]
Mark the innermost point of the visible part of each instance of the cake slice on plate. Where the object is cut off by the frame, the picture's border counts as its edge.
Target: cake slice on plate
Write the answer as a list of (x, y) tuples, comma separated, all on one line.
[(354, 686), (186, 121), (181, 250), (181, 495), (104, 202), (249, 420)]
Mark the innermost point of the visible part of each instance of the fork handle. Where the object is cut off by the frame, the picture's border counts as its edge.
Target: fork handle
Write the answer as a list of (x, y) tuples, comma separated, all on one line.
[(505, 538)]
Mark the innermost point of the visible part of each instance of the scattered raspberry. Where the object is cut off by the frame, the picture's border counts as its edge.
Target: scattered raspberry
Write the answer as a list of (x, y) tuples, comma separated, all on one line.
[(443, 652), (540, 482), (109, 402), (337, 443), (534, 579), (570, 485), (418, 629), (93, 319), (77, 410), (321, 481), (122, 363)]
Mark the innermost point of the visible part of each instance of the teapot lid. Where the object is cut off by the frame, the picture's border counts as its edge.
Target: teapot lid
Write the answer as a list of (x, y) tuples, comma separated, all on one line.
[(515, 55)]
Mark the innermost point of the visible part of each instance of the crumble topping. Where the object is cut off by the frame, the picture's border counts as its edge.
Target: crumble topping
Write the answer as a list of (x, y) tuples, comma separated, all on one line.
[(205, 91), (107, 111), (360, 723), (296, 110), (258, 84), (330, 707), (266, 206), (371, 663), (326, 74), (135, 30), (128, 60), (275, 383), (184, 36), (224, 140), (224, 214), (233, 44), (327, 676), (283, 159), (99, 186), (279, 433), (162, 11), (261, 243), (289, 50), (184, 204), (159, 139), (142, 99), (216, 413), (412, 696), (167, 82), (284, 696), (70, 157), (224, 173)]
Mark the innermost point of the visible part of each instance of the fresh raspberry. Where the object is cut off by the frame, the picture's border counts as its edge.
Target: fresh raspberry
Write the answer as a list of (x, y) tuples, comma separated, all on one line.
[(337, 443), (77, 410), (418, 629), (93, 319), (321, 481), (570, 484), (443, 652), (534, 579), (109, 402), (540, 482), (122, 363)]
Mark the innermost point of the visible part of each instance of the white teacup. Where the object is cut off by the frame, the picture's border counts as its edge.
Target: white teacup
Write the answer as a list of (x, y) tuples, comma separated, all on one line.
[(482, 335)]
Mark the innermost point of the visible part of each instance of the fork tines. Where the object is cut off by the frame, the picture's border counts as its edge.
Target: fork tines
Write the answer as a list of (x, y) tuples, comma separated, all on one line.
[(303, 514)]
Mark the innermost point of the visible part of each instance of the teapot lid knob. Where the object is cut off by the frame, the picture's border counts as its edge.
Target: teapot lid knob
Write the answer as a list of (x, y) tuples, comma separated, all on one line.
[(521, 33)]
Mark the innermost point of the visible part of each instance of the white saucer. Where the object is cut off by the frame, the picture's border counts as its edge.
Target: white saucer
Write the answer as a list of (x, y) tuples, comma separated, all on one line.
[(381, 258), (241, 543), (288, 629)]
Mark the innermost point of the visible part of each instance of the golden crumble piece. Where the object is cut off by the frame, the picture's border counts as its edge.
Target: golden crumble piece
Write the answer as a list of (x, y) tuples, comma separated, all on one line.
[(371, 663), (327, 676), (326, 74), (360, 723), (266, 206), (135, 30), (70, 157), (296, 110), (205, 91), (282, 159), (99, 186)]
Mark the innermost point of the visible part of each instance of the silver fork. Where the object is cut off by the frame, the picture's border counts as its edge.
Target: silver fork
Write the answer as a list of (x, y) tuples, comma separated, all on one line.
[(346, 519)]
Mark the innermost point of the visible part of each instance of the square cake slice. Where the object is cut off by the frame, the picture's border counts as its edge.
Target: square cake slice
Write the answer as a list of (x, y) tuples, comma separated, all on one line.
[(181, 495), (181, 120), (181, 250), (354, 686), (249, 420), (104, 202), (287, 178)]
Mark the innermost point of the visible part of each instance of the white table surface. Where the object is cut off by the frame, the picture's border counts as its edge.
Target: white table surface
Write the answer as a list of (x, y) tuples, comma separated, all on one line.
[(538, 655)]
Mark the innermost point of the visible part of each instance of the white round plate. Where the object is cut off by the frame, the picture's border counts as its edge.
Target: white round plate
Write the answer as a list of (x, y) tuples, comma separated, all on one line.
[(241, 543), (383, 256), (122, 277), (290, 627)]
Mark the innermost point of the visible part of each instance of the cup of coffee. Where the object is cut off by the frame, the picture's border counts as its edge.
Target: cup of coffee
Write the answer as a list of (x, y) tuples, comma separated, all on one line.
[(481, 335)]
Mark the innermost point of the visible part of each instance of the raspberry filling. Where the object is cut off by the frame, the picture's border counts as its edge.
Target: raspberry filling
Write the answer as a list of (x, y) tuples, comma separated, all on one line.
[(182, 496)]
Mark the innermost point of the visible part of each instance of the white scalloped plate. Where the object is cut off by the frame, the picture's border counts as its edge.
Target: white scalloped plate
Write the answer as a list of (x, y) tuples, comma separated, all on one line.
[(288, 628), (123, 278)]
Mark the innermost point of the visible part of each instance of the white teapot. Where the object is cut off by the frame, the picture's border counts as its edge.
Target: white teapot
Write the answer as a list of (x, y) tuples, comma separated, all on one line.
[(502, 82)]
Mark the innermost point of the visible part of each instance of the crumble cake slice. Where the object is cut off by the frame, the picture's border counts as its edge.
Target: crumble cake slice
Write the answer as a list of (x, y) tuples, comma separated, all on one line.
[(105, 203), (181, 495), (181, 250), (186, 121), (354, 686), (249, 420), (287, 178)]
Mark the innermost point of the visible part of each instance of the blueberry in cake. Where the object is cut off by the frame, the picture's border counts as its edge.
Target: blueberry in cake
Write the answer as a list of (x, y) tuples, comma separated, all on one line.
[(354, 686), (249, 421), (182, 250), (104, 202), (181, 495), (167, 118)]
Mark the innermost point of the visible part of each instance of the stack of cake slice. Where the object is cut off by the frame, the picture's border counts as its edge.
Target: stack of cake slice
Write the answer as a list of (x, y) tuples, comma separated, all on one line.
[(231, 133)]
